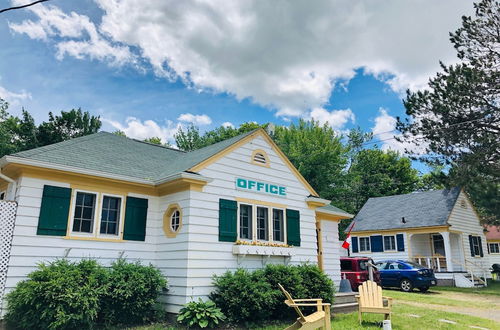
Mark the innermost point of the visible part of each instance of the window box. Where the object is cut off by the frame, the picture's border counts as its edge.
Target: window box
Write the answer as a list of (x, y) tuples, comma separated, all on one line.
[(263, 250)]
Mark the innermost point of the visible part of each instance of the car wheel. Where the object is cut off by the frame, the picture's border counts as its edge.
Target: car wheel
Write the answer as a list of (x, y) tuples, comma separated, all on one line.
[(424, 289), (406, 285)]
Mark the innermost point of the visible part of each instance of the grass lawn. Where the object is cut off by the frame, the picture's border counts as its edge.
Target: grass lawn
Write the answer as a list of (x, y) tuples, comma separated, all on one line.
[(401, 319), (493, 288)]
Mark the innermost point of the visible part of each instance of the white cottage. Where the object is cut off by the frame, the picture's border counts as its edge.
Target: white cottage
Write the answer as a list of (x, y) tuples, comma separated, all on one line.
[(439, 229), (493, 240), (237, 203)]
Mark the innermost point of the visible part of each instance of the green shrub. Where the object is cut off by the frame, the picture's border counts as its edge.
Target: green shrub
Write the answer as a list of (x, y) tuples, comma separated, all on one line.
[(243, 296), (132, 294), (59, 295), (250, 296), (201, 314)]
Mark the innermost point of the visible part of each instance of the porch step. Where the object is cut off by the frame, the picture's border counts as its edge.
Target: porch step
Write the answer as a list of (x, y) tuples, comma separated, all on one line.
[(345, 302), (344, 308)]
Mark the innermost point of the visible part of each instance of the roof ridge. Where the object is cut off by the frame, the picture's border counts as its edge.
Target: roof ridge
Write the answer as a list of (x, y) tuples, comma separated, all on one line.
[(157, 145), (416, 193), (236, 137)]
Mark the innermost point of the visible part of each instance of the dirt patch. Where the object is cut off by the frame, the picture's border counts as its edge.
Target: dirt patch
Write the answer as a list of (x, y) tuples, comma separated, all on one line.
[(491, 314), (488, 299)]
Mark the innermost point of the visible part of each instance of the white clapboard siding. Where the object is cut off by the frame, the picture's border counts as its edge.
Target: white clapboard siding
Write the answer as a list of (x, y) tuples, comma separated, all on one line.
[(29, 249), (379, 256), (331, 252), (208, 256), (465, 220)]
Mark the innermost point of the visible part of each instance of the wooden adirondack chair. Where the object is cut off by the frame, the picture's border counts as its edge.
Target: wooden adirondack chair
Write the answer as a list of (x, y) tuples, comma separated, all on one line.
[(318, 319), (370, 300)]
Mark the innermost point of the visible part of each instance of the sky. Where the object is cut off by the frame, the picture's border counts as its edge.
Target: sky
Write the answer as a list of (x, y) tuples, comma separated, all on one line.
[(148, 67)]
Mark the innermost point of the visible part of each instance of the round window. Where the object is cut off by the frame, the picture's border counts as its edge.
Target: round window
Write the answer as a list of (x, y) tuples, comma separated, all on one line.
[(175, 220)]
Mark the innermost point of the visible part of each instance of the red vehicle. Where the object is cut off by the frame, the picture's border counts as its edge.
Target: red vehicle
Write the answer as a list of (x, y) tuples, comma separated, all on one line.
[(355, 269)]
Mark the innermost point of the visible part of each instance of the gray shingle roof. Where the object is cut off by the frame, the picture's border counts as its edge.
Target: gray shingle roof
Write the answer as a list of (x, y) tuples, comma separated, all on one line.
[(423, 209), (113, 154)]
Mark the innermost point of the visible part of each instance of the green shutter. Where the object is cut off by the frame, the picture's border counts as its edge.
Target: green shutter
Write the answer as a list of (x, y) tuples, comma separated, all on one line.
[(54, 211), (293, 227), (136, 212), (227, 220)]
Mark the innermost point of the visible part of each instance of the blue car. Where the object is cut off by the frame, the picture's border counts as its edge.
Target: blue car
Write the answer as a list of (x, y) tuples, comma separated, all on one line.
[(405, 275)]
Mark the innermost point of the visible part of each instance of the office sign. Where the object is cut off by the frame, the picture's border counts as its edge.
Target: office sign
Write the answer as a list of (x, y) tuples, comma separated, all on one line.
[(260, 187)]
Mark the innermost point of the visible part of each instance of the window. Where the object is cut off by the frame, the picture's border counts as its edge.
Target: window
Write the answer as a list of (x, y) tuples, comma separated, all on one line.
[(259, 157), (172, 220), (345, 264), (278, 222), (389, 243), (395, 265), (463, 203), (83, 219), (175, 221), (476, 246), (110, 215), (364, 244), (96, 215), (494, 248), (3, 194), (262, 224)]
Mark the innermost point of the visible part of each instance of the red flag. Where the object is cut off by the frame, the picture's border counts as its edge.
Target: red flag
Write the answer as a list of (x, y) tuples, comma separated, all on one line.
[(347, 241)]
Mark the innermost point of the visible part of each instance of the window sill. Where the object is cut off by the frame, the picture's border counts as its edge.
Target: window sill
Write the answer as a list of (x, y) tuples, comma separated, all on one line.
[(263, 250), (92, 238)]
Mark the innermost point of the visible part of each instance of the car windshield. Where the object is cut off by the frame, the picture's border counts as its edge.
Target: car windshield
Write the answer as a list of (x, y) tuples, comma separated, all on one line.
[(413, 264)]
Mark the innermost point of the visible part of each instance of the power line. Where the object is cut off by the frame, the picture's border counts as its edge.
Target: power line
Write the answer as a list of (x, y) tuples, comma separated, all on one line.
[(23, 6), (435, 129)]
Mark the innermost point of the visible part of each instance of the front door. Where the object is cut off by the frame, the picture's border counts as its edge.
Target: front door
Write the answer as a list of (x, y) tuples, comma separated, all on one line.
[(438, 245)]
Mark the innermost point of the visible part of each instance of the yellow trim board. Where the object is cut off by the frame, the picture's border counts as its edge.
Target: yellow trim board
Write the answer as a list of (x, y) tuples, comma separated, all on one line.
[(329, 217), (493, 241), (258, 202), (259, 132), (89, 182), (264, 153), (421, 230)]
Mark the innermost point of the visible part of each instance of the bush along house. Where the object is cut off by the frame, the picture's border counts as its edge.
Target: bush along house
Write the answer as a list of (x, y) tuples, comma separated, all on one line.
[(438, 229), (239, 203)]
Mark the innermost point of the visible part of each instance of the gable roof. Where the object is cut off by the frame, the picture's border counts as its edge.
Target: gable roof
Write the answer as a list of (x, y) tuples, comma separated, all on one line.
[(117, 155), (493, 233), (422, 209)]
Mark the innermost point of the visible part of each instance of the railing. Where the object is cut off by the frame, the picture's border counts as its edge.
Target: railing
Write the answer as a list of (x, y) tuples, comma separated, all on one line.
[(433, 262), (475, 269)]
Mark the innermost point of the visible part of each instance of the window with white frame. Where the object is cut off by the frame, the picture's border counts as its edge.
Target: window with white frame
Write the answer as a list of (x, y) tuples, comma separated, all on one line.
[(389, 243), (494, 248), (93, 218), (364, 244), (476, 246), (110, 215), (261, 223), (175, 221)]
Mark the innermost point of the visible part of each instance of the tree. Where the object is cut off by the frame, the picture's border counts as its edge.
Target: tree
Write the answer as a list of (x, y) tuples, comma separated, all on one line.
[(317, 152), (458, 118), (69, 124), (18, 134), (190, 138)]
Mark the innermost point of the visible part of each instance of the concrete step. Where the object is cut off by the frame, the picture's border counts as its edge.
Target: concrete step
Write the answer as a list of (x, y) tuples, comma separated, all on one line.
[(345, 297), (344, 308)]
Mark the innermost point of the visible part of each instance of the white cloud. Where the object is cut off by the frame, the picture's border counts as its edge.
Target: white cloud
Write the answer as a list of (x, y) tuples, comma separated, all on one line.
[(14, 98), (227, 124), (385, 132), (137, 129), (195, 119), (77, 35), (287, 56), (337, 119)]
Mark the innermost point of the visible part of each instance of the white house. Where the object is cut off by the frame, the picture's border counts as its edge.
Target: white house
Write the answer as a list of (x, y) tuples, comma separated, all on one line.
[(493, 240), (239, 203), (439, 229)]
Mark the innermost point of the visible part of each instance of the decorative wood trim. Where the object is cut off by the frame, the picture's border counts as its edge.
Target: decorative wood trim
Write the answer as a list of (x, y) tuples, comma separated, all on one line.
[(264, 153), (258, 202), (259, 132), (167, 229)]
